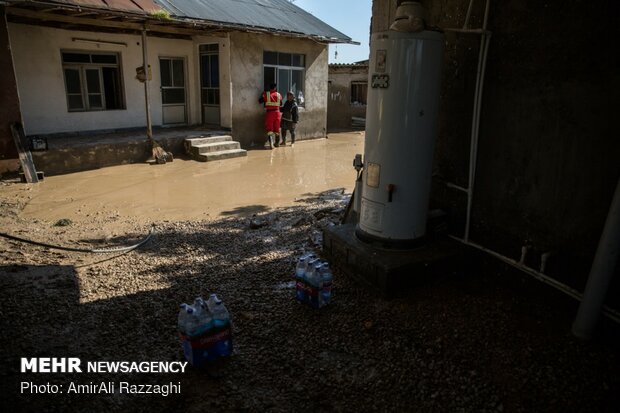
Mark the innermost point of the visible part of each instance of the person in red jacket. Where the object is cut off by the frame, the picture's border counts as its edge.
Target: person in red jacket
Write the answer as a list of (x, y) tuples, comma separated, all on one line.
[(272, 100)]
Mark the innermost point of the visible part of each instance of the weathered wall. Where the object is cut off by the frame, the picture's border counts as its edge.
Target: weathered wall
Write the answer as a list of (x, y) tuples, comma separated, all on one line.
[(246, 64), (9, 102), (549, 153), (40, 81), (339, 107)]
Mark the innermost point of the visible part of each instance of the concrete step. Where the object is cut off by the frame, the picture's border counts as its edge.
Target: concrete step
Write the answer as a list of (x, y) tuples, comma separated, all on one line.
[(216, 156), (214, 147), (200, 140)]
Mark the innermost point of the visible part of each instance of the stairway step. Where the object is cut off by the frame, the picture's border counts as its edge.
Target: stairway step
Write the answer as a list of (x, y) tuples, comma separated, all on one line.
[(214, 147), (216, 156), (199, 140)]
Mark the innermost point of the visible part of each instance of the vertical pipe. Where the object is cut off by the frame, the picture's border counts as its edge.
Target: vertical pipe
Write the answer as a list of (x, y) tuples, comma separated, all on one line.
[(471, 3), (473, 148), (601, 272), (147, 97)]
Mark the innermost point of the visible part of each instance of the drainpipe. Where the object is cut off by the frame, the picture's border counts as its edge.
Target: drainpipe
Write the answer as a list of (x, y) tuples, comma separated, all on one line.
[(147, 97), (601, 272)]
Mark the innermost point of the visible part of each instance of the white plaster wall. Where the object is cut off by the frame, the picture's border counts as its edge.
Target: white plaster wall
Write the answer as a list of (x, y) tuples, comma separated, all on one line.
[(40, 81), (37, 58)]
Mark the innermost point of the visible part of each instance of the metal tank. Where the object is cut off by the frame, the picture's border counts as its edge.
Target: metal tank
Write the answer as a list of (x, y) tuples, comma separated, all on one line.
[(401, 126)]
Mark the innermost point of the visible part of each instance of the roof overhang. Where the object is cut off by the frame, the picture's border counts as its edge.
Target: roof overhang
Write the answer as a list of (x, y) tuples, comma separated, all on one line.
[(85, 16)]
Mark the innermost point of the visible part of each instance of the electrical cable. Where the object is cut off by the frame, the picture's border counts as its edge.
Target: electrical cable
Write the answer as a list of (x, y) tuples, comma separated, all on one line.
[(92, 251)]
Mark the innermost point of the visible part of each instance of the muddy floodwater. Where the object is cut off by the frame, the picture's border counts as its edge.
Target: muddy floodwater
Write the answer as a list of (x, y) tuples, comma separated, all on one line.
[(187, 189)]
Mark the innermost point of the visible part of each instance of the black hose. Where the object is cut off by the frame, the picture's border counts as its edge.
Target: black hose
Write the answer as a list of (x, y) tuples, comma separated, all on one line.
[(93, 251)]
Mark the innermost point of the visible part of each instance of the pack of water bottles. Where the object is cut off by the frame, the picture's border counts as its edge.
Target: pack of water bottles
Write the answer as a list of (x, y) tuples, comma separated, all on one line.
[(205, 330), (313, 278)]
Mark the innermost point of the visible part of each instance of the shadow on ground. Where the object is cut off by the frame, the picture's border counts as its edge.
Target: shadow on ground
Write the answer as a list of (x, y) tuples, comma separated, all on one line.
[(483, 339)]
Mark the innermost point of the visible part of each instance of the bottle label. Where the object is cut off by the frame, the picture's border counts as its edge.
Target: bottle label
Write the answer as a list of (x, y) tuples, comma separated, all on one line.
[(308, 294), (211, 345)]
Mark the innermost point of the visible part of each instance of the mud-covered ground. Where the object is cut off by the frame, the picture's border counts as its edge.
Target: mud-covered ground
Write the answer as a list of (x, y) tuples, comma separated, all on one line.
[(481, 339)]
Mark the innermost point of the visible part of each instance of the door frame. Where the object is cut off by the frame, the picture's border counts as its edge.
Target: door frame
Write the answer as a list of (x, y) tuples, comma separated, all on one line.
[(185, 89)]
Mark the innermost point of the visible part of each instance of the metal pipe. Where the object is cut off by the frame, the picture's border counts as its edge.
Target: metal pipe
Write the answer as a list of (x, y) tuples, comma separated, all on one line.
[(455, 186), (471, 3), (543, 261), (608, 312), (147, 97), (471, 31), (524, 250), (473, 147), (486, 15), (601, 272)]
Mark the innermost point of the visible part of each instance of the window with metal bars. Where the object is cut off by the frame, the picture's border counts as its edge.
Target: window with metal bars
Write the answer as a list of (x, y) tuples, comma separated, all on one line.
[(359, 90)]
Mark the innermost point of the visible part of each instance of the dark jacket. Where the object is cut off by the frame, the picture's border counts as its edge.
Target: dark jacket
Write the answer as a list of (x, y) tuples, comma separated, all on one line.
[(289, 111)]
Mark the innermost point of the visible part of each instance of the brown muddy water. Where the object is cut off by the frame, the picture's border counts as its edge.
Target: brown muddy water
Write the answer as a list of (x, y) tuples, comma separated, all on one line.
[(187, 189)]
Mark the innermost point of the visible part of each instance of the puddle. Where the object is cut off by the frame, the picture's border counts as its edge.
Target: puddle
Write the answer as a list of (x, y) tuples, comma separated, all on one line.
[(186, 189)]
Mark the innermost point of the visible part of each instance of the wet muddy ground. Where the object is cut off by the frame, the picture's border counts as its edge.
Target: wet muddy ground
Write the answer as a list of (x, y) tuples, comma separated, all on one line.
[(482, 339), (186, 189)]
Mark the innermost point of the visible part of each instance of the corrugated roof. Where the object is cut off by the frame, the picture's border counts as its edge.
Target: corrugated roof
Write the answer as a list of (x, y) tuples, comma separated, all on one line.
[(280, 15), (137, 6)]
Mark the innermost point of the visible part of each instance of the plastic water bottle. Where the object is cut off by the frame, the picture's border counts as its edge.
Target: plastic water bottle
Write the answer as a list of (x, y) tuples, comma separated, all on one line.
[(189, 323), (300, 269), (309, 269), (211, 302), (221, 321), (185, 313), (313, 277), (203, 318), (309, 257), (221, 317), (300, 276), (327, 278)]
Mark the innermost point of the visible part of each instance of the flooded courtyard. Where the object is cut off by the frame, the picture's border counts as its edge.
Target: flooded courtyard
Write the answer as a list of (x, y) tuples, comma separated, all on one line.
[(478, 339), (186, 189)]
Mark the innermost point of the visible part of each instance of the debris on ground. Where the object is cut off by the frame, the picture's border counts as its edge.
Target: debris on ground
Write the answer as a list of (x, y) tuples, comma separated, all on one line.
[(481, 341), (64, 222)]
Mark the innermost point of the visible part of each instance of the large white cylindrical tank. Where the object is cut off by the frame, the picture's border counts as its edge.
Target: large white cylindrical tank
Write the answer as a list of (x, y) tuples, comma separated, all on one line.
[(401, 126)]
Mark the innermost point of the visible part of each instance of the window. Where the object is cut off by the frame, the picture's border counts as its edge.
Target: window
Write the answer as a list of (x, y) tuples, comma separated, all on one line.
[(172, 81), (92, 81), (287, 70), (358, 93)]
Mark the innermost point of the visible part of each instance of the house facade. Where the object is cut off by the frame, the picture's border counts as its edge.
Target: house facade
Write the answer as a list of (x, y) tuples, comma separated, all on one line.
[(346, 98), (78, 65)]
